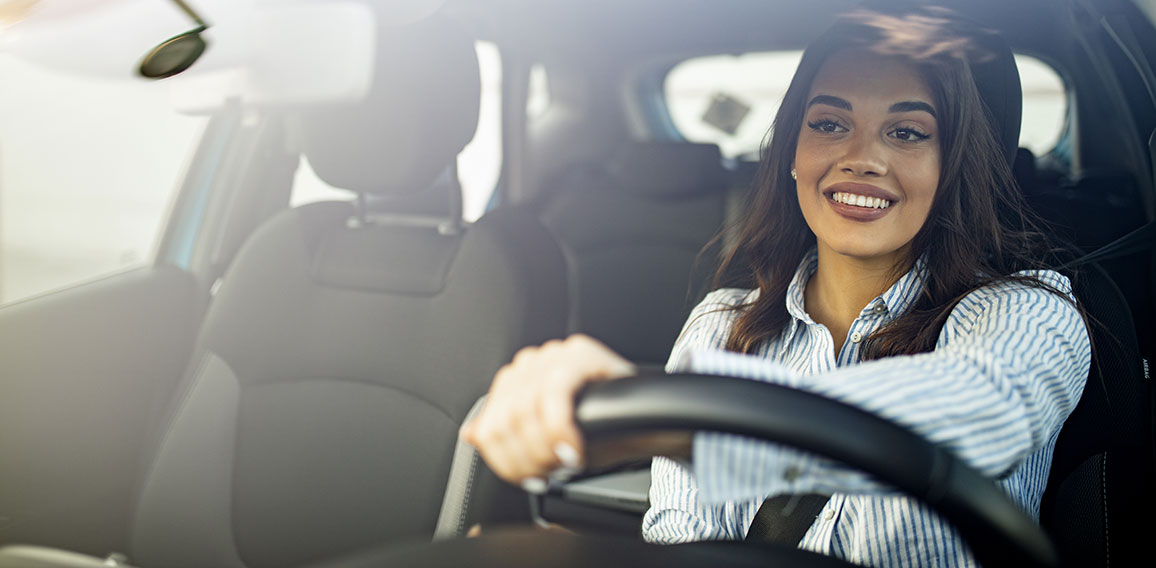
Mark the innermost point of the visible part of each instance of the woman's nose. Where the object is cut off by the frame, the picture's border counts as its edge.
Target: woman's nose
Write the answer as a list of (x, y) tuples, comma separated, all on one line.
[(863, 157)]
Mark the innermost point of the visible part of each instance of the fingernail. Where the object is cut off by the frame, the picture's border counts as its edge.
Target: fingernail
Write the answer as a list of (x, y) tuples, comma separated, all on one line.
[(535, 485), (567, 455)]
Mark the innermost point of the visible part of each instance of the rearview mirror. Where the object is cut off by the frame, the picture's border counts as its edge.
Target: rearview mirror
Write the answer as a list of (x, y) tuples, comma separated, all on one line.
[(178, 53)]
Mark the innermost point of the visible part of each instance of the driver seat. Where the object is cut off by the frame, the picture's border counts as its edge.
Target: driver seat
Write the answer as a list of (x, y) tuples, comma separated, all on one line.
[(1100, 484)]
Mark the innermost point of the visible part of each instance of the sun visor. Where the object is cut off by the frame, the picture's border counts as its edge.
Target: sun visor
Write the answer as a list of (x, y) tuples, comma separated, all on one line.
[(260, 52), (283, 54)]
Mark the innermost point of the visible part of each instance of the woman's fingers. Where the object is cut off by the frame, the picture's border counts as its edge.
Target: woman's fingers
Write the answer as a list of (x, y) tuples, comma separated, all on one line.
[(526, 430)]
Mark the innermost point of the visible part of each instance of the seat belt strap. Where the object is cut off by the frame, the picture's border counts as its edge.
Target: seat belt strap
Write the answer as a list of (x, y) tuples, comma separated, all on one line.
[(1136, 241), (784, 519)]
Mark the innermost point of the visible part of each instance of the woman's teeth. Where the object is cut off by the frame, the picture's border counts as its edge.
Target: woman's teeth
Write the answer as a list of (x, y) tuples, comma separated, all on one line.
[(861, 200)]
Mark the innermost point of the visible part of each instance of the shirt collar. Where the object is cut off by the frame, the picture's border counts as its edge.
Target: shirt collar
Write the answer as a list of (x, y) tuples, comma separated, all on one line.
[(897, 299), (795, 302), (901, 296)]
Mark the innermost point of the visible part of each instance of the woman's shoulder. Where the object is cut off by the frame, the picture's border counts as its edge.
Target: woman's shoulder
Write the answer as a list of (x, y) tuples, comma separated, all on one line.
[(709, 323), (1026, 284), (1042, 293), (726, 299)]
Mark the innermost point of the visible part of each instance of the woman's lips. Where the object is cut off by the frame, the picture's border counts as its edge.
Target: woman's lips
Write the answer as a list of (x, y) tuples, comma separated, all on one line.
[(856, 212)]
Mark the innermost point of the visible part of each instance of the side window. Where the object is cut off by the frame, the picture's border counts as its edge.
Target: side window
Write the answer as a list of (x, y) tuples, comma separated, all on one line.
[(1045, 105), (538, 92), (479, 163), (731, 100), (88, 168)]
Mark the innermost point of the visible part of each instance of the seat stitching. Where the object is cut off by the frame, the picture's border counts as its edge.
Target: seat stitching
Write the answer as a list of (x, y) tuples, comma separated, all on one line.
[(469, 491), (396, 388), (1104, 500)]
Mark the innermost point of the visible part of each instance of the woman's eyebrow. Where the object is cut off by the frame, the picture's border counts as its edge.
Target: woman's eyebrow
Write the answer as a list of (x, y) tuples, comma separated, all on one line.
[(830, 100), (908, 106)]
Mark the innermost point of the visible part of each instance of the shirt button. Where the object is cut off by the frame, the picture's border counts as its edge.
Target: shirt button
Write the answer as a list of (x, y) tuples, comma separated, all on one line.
[(792, 474), (830, 515), (856, 337), (880, 308)]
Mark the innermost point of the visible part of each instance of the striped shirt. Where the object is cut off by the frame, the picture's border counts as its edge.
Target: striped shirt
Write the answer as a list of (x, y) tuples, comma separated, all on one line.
[(1008, 367)]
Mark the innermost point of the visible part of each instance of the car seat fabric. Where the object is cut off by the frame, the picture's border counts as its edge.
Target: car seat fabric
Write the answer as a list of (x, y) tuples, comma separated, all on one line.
[(341, 353), (1100, 486), (632, 232), (1103, 453)]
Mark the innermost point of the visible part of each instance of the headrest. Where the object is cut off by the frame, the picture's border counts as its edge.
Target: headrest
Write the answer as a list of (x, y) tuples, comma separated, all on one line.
[(422, 109), (668, 169), (998, 82)]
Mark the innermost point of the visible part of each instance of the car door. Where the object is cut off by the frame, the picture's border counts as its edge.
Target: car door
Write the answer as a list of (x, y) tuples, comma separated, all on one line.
[(88, 369)]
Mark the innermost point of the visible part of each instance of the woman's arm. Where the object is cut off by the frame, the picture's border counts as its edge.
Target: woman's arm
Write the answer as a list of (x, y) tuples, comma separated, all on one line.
[(1010, 366), (676, 514), (526, 429)]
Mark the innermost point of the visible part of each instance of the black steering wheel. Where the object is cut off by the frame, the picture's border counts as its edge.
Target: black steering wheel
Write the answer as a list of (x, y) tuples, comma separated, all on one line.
[(996, 530)]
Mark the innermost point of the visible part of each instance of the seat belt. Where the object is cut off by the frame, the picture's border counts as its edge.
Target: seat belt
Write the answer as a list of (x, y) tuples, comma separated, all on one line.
[(1136, 241), (784, 519)]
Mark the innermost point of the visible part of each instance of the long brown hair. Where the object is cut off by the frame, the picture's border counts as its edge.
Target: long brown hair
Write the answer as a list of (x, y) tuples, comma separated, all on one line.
[(979, 230)]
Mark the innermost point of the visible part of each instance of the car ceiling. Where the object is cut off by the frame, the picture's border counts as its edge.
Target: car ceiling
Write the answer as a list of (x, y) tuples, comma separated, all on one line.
[(648, 28)]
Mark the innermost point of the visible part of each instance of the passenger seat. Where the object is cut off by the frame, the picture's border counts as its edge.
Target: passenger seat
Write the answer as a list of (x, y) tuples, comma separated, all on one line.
[(632, 231), (345, 347)]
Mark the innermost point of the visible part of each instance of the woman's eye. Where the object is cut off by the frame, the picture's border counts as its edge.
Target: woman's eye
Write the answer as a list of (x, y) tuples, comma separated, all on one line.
[(826, 126), (909, 135)]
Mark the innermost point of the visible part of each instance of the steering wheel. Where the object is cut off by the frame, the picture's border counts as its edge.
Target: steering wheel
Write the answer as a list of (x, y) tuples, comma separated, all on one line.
[(996, 530)]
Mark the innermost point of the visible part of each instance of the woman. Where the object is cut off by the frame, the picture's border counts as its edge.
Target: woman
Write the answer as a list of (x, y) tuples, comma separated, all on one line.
[(894, 268)]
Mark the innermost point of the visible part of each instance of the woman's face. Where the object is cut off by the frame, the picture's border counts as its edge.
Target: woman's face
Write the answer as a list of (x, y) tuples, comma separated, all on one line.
[(868, 156)]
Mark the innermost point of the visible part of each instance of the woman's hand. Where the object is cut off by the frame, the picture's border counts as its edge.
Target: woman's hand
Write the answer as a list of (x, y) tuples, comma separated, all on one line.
[(526, 429)]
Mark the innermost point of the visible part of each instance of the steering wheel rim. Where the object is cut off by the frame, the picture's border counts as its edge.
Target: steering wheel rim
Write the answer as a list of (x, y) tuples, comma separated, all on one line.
[(997, 531)]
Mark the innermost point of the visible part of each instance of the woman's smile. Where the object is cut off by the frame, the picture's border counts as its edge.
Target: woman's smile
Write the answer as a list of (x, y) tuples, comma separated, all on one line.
[(860, 201)]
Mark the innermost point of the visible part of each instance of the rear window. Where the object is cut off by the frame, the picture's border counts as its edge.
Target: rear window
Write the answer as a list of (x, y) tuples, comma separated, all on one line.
[(730, 100)]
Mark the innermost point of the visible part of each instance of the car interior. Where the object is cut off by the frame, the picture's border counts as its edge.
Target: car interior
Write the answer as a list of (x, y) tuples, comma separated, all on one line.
[(284, 384)]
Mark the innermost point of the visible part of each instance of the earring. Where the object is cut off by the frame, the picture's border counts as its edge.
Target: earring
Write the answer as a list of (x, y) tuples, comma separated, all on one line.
[(794, 174)]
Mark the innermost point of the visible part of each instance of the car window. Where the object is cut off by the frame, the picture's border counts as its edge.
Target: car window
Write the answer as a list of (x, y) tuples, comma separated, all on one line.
[(537, 92), (88, 168), (479, 163), (1045, 105), (731, 100)]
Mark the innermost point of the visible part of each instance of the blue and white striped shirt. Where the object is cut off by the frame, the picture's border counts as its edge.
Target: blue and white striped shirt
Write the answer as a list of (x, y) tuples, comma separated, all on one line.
[(1008, 367)]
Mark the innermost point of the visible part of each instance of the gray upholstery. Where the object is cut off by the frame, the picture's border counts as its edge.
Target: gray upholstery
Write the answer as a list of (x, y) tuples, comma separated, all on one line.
[(191, 477), (339, 359), (401, 137), (632, 232), (671, 170)]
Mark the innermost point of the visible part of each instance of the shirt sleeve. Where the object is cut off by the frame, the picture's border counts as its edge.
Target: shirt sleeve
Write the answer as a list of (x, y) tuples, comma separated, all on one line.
[(676, 515), (1009, 367)]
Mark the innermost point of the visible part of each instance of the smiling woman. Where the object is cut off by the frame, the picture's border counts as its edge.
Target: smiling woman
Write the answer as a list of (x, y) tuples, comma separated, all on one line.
[(885, 225)]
